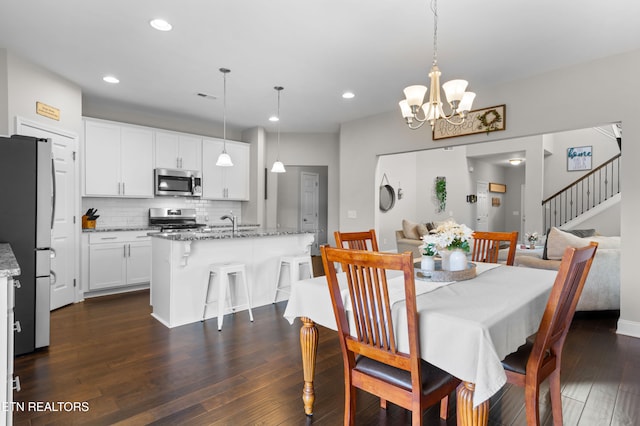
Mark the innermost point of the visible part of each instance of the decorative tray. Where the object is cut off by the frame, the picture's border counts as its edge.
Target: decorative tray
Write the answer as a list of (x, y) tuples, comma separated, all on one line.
[(440, 275)]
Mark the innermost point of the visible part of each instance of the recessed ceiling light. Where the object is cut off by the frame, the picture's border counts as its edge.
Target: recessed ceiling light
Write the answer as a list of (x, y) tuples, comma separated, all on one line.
[(515, 161), (110, 79), (348, 95), (274, 118), (160, 25)]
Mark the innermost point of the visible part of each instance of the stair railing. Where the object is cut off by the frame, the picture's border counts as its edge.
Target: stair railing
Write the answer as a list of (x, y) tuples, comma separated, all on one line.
[(585, 193)]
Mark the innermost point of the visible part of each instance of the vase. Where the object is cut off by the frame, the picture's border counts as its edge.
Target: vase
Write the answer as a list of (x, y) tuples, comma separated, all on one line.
[(532, 246), (427, 263), (453, 260)]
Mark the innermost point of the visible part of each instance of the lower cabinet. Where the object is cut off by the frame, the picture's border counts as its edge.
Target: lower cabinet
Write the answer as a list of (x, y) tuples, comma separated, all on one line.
[(118, 259), (8, 327)]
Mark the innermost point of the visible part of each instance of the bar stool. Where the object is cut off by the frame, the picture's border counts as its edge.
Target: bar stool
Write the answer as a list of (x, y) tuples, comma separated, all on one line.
[(294, 263), (221, 271)]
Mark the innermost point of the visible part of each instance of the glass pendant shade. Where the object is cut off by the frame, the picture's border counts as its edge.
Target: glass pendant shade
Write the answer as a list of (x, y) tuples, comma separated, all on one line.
[(454, 89), (467, 101), (405, 108), (278, 167), (415, 95), (224, 160)]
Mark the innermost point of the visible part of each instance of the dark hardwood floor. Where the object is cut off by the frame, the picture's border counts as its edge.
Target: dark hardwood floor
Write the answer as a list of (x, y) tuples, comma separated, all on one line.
[(131, 370)]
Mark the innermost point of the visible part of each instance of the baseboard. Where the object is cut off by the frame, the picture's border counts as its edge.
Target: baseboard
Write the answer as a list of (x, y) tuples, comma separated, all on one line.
[(628, 328)]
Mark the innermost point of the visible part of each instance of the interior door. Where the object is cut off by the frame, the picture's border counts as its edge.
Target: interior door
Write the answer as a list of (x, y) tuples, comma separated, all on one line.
[(63, 235), (482, 207), (309, 199)]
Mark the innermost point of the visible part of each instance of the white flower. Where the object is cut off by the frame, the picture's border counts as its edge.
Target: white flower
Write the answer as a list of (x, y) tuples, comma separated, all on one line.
[(531, 237), (450, 235)]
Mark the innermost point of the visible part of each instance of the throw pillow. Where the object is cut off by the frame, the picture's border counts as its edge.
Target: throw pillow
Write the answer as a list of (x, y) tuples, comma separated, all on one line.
[(582, 233), (410, 230), (422, 229), (558, 241)]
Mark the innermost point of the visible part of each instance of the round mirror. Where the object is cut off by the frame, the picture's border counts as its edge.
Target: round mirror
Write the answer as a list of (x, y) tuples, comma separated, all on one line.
[(387, 197)]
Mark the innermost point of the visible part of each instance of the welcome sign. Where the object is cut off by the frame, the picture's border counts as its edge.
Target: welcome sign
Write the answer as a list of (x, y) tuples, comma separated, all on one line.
[(579, 158)]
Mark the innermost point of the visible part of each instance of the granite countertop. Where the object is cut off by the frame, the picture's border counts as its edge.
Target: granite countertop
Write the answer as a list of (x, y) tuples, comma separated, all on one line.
[(124, 228), (223, 235), (157, 228), (8, 264)]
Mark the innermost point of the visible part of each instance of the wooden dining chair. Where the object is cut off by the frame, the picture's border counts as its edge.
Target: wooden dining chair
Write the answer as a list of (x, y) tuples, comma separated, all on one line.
[(370, 353), (536, 360), (364, 240), (486, 246)]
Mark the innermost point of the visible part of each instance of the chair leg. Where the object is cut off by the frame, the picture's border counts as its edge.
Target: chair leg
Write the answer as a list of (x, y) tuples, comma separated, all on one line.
[(532, 405), (246, 293), (556, 397), (275, 293), (383, 403), (444, 408), (349, 404)]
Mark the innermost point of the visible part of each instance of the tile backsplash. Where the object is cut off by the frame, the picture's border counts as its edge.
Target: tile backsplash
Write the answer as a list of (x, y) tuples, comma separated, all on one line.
[(119, 212)]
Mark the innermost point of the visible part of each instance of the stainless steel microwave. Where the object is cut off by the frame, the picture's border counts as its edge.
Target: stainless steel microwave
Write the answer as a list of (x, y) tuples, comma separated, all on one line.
[(186, 183)]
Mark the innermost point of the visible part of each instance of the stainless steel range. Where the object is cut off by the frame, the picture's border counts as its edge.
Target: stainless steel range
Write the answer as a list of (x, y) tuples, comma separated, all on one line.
[(174, 220)]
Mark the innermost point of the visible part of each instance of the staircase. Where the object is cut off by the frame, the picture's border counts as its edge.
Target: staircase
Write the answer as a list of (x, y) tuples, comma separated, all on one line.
[(599, 187)]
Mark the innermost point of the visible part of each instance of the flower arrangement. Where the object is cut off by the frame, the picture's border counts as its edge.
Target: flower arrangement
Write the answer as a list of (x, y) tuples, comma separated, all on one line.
[(531, 237), (449, 235)]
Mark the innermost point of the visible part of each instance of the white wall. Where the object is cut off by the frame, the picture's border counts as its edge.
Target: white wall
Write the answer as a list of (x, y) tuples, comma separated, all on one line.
[(556, 175), (28, 84), (4, 94), (304, 149), (552, 102), (401, 173)]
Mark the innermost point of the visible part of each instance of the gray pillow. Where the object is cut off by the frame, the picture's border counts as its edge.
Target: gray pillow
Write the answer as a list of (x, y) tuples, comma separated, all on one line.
[(582, 233)]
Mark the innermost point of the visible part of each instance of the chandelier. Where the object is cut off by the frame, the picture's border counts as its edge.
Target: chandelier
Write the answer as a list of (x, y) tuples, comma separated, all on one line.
[(416, 112), (224, 160), (278, 167)]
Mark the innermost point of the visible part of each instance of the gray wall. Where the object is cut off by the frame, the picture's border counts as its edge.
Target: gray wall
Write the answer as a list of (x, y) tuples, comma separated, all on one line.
[(548, 103), (304, 149)]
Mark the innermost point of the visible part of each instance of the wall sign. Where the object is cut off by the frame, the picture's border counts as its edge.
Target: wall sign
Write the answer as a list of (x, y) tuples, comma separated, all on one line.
[(47, 111), (497, 187), (484, 120), (579, 158)]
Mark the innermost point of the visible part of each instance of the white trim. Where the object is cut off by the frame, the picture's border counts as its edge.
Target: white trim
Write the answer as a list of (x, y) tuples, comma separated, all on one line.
[(628, 328), (19, 121)]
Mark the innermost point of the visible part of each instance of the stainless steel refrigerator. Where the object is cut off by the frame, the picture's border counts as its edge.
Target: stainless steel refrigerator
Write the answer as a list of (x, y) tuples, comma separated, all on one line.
[(27, 199)]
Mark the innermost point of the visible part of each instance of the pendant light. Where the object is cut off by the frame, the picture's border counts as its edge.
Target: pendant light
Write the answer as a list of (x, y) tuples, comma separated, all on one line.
[(278, 167), (224, 160)]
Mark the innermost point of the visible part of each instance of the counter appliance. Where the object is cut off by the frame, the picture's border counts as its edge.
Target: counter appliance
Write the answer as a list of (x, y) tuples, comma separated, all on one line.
[(174, 220)]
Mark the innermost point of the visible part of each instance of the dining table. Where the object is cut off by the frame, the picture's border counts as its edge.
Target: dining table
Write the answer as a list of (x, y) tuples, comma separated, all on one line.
[(466, 327)]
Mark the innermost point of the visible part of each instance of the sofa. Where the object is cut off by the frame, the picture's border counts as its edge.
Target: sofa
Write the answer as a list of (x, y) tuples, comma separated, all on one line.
[(602, 288), (409, 237)]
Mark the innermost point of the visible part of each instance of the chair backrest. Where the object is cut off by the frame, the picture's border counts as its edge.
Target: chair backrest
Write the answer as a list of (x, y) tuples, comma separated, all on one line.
[(486, 246), (562, 303), (374, 335), (365, 240)]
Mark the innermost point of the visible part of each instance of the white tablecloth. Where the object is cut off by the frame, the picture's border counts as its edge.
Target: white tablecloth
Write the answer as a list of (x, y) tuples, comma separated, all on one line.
[(466, 327)]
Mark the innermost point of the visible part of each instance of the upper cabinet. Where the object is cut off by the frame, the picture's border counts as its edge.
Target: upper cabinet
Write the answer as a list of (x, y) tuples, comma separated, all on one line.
[(118, 160), (225, 183), (176, 151)]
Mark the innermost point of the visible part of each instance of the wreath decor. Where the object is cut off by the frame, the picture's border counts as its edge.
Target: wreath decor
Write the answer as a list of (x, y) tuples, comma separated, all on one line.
[(489, 120)]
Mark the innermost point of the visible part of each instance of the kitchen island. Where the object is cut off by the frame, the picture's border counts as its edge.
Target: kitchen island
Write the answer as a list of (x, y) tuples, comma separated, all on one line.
[(180, 268)]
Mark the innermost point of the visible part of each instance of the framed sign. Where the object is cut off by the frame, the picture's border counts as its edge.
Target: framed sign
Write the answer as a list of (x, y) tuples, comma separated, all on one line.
[(484, 120), (579, 158), (497, 187)]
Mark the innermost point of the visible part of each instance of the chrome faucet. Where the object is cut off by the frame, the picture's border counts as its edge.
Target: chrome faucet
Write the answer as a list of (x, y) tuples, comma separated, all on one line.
[(234, 222)]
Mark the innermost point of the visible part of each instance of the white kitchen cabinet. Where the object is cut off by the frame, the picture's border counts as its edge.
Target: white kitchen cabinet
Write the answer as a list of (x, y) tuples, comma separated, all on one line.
[(178, 151), (225, 183), (7, 327), (118, 160), (118, 259)]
